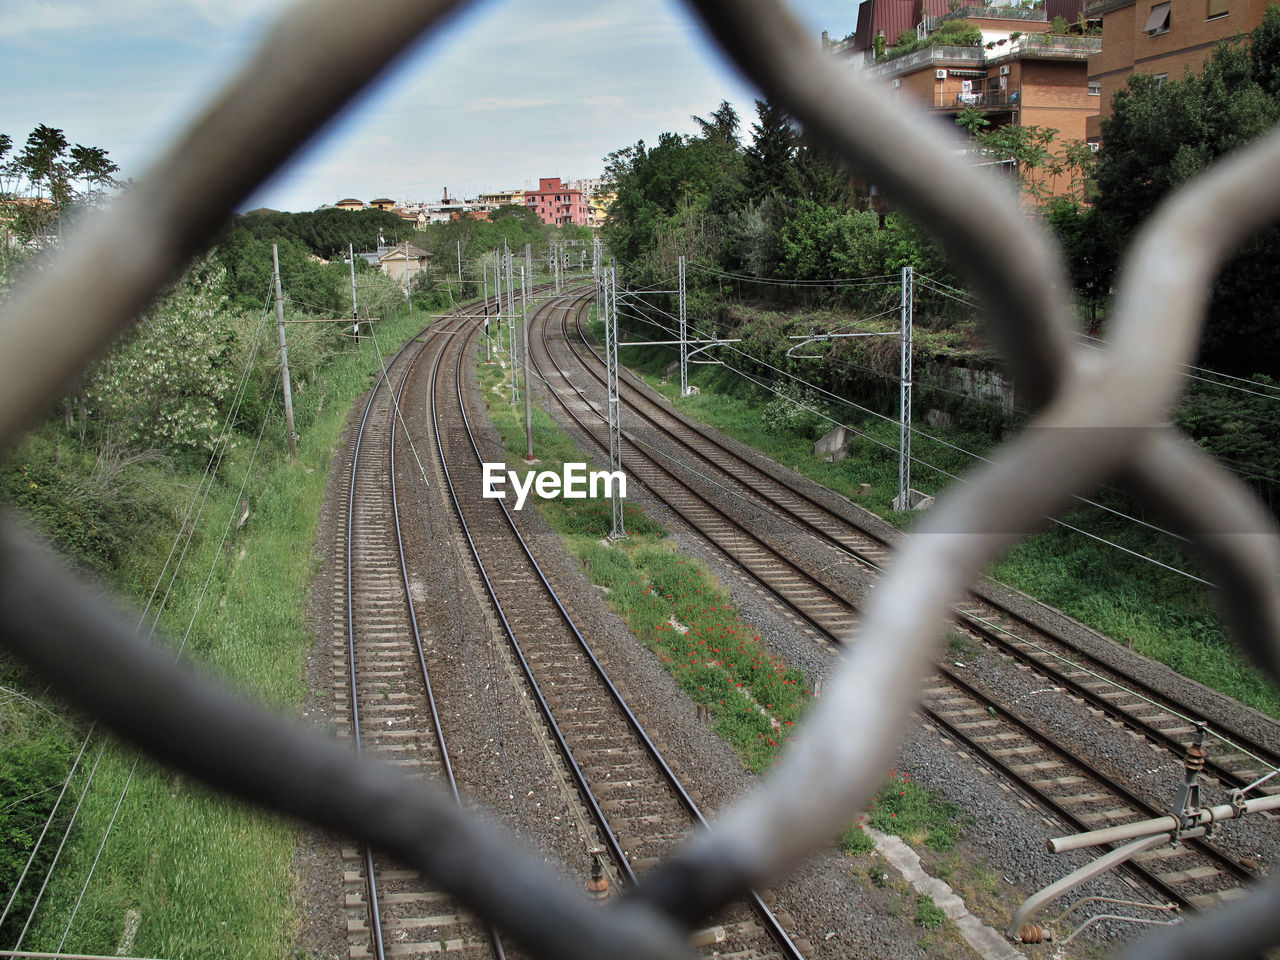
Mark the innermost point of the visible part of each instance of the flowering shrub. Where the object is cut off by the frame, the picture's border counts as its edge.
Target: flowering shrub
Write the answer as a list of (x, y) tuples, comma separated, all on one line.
[(718, 660), (792, 411), (166, 383)]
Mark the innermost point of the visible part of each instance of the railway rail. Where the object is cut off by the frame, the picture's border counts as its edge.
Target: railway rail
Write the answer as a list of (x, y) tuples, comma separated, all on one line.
[(638, 806), (636, 800), (381, 667), (1192, 874)]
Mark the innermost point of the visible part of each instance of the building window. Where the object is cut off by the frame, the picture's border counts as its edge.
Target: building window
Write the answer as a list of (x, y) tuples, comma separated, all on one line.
[(1158, 21), (1216, 9), (1161, 78), (1095, 88)]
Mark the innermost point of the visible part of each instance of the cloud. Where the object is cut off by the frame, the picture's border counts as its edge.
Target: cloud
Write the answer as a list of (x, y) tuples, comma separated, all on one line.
[(32, 19), (510, 103)]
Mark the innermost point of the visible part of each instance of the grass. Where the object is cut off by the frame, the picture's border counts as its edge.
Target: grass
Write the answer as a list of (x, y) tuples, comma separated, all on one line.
[(928, 914), (207, 877), (1161, 614), (905, 809)]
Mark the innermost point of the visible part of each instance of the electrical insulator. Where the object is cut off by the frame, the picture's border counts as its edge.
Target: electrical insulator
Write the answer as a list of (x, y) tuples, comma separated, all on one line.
[(1032, 933)]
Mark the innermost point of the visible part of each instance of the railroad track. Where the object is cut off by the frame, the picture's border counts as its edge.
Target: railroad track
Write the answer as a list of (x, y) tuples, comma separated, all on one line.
[(384, 694), (1236, 760), (637, 802), (1192, 874)]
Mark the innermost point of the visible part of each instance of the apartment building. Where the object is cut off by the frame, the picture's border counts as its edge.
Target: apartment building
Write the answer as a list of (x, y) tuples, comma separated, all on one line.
[(502, 198), (1019, 72), (1164, 38), (557, 204)]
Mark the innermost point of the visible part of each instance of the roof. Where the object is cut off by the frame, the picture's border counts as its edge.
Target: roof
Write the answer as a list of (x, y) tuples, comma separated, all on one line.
[(382, 200), (1068, 10), (349, 200), (398, 251), (928, 8), (889, 17)]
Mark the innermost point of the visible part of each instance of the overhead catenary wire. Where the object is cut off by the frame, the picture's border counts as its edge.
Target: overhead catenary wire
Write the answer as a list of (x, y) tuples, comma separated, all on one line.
[(914, 459), (884, 279), (915, 431), (658, 451)]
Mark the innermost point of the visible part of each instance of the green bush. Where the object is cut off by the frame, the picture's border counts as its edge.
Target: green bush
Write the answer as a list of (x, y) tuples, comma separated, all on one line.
[(795, 411)]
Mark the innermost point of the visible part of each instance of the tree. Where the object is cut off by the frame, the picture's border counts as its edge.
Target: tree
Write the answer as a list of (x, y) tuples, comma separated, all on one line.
[(91, 165), (973, 120), (769, 163), (823, 177), (683, 189), (166, 383), (1028, 149), (41, 162), (722, 128), (1161, 135)]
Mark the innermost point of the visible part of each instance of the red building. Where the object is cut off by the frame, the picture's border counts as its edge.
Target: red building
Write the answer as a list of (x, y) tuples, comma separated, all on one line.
[(557, 204)]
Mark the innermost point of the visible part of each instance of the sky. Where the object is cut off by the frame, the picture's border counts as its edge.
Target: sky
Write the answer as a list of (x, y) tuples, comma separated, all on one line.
[(509, 91)]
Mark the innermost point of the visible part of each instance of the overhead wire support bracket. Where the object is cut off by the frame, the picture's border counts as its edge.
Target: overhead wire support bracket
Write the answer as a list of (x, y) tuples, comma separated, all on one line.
[(824, 337)]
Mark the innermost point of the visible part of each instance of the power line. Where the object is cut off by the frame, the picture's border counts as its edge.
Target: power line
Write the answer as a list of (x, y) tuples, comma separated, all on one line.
[(917, 432), (881, 280)]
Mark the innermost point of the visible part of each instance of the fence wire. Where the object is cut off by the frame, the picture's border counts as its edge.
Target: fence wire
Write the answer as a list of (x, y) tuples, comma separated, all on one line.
[(1102, 417)]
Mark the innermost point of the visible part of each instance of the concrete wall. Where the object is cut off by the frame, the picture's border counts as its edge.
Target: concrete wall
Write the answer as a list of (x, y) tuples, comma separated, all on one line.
[(977, 381)]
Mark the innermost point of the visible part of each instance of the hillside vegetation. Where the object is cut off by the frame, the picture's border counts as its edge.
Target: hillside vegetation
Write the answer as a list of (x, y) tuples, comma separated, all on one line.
[(164, 473)]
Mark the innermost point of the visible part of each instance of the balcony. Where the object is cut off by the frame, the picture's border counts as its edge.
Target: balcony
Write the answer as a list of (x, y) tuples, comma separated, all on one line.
[(1050, 46), (987, 13), (912, 61), (982, 100)]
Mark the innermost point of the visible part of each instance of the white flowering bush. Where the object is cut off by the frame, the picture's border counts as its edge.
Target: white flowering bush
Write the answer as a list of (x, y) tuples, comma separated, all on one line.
[(795, 410)]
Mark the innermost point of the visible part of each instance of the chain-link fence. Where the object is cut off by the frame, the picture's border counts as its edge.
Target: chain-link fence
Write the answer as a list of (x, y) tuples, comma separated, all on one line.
[(1102, 416)]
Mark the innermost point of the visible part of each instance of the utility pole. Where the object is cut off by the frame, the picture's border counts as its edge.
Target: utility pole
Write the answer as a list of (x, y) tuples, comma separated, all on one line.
[(556, 268), (497, 283), (484, 279), (355, 310), (528, 261), (528, 394), (284, 356), (684, 336), (904, 395), (408, 289), (459, 270), (511, 319), (618, 529)]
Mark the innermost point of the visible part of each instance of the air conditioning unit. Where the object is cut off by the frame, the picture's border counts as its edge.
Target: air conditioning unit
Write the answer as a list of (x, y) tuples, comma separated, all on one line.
[(940, 74), (897, 83), (1093, 146), (1004, 71)]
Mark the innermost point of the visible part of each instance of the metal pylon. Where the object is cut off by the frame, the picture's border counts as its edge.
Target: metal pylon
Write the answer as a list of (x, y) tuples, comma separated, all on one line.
[(684, 337), (618, 529)]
